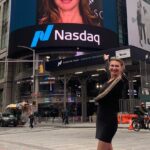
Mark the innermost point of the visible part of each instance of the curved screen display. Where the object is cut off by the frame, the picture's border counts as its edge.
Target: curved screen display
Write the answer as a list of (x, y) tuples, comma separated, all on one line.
[(70, 11), (65, 36), (60, 25)]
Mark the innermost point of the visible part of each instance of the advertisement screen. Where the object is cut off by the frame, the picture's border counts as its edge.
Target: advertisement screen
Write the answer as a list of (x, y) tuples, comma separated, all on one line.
[(70, 11), (60, 25), (23, 14), (138, 16)]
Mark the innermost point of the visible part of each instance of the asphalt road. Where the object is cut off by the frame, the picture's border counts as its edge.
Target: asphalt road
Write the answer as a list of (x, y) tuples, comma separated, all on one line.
[(52, 138)]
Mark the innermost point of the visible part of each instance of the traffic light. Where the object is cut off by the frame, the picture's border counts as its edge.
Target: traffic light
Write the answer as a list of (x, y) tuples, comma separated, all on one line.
[(41, 68)]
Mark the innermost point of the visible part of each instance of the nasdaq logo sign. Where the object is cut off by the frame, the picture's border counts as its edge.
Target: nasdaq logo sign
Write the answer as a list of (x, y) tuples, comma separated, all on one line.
[(42, 36), (83, 36), (62, 34)]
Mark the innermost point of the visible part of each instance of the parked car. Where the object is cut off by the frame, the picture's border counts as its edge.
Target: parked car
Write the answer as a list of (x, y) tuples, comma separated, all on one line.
[(7, 119)]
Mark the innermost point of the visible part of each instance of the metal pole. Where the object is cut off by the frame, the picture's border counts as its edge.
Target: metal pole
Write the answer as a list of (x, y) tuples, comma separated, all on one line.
[(146, 76), (65, 91), (33, 70)]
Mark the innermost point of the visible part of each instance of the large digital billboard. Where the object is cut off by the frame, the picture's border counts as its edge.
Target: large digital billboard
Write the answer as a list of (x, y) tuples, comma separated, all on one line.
[(70, 11), (23, 14), (60, 24), (138, 16)]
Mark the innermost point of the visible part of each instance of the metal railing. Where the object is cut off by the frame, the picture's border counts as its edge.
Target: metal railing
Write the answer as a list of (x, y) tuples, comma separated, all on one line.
[(127, 105)]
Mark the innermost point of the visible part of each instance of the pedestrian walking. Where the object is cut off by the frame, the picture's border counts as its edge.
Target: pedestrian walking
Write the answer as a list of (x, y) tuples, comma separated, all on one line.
[(31, 118), (108, 103), (32, 110), (62, 115), (46, 115), (66, 117)]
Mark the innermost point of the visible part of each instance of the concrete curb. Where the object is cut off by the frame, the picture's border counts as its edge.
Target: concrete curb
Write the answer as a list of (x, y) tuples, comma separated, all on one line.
[(84, 125)]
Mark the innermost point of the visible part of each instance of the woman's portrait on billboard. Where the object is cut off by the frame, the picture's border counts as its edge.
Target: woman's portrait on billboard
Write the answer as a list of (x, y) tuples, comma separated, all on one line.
[(67, 11), (141, 22)]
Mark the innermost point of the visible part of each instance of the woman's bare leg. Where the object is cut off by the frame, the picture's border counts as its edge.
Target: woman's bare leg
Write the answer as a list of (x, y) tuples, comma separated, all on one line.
[(104, 146)]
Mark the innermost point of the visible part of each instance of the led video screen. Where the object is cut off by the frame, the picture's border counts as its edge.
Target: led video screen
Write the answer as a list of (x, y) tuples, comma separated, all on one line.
[(59, 25), (138, 17), (70, 11)]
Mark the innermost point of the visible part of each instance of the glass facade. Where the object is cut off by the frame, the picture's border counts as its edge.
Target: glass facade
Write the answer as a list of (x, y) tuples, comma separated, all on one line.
[(4, 37), (122, 22), (2, 70)]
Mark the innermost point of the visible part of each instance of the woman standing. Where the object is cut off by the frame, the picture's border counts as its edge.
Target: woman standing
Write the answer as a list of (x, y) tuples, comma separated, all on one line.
[(108, 104)]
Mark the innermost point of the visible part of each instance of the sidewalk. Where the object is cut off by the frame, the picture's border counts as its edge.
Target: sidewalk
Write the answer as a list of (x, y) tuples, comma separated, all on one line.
[(58, 123)]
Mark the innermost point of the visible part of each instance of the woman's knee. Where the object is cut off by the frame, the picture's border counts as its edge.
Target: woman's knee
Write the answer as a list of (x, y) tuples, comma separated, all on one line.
[(104, 145)]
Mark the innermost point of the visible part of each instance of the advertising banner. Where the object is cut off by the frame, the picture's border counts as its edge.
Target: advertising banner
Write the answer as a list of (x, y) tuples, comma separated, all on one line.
[(138, 17), (63, 25), (78, 61), (64, 36), (70, 11)]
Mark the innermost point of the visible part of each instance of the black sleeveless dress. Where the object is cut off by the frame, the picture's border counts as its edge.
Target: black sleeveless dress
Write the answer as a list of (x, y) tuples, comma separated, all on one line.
[(108, 107)]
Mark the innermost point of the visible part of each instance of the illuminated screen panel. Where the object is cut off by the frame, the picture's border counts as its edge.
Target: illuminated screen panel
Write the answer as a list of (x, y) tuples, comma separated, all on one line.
[(138, 16), (51, 30), (70, 11), (62, 36), (23, 14)]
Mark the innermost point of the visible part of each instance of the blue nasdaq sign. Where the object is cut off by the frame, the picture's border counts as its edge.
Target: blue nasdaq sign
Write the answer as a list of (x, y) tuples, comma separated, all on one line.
[(44, 38)]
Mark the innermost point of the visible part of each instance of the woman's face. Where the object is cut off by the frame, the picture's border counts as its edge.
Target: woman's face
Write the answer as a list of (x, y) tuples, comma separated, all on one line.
[(67, 5), (115, 68)]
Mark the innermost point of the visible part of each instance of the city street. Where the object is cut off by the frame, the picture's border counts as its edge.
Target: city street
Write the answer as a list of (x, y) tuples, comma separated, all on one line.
[(57, 138)]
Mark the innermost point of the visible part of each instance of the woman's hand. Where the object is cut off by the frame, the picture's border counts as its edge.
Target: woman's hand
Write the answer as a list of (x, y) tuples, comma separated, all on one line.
[(106, 57)]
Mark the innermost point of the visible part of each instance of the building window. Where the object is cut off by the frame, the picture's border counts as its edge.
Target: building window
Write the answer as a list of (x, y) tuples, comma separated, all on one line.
[(1, 97), (4, 25), (122, 22), (24, 67), (0, 23), (1, 70)]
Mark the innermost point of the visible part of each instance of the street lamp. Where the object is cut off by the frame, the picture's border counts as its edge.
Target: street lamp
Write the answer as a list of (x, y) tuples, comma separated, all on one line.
[(33, 70)]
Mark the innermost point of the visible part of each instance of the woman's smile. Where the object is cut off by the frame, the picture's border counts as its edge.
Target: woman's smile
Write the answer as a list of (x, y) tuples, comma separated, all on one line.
[(67, 4), (66, 1)]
